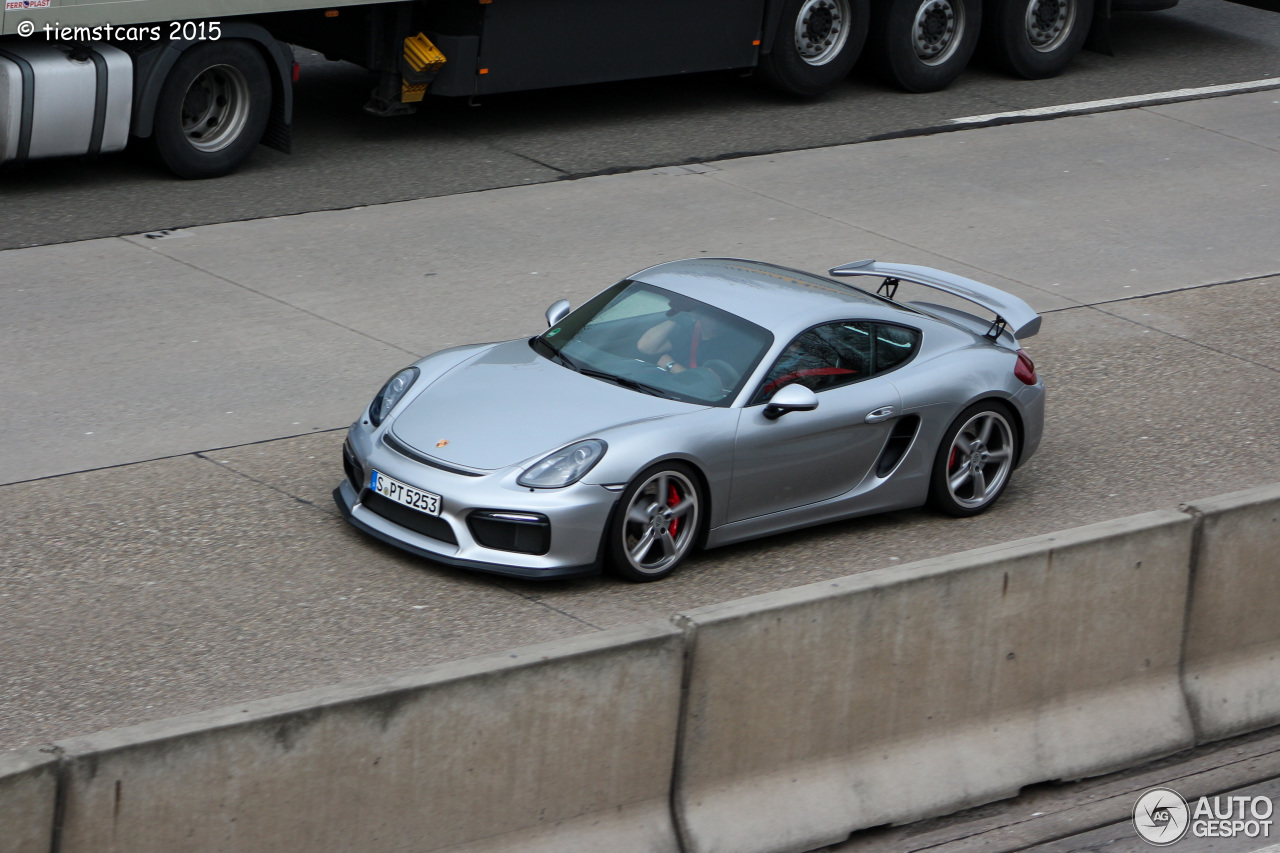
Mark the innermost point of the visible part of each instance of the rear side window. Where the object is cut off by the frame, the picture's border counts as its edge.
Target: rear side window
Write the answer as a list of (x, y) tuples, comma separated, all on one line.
[(894, 345)]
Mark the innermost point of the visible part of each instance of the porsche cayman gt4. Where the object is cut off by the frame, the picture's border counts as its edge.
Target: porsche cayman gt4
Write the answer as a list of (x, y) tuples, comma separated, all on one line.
[(694, 404)]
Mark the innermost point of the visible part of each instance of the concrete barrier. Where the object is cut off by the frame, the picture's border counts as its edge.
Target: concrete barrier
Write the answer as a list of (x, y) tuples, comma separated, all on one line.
[(1231, 667), (879, 698), (562, 747), (903, 693), (28, 794)]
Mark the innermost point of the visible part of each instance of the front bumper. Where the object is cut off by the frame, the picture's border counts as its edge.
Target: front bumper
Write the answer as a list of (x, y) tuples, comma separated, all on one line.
[(578, 515)]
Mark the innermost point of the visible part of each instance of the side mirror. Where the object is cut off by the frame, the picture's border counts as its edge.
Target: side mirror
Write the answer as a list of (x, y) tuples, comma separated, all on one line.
[(791, 398), (558, 311)]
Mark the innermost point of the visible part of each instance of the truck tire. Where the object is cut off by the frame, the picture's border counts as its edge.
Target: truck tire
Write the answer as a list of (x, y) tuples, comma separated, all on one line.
[(923, 45), (212, 109), (818, 42), (1037, 38)]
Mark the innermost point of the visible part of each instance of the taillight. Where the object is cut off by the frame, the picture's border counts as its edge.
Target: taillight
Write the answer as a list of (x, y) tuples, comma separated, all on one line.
[(1025, 370)]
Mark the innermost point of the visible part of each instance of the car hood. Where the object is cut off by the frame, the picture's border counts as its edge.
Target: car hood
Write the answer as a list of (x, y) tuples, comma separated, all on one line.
[(510, 404)]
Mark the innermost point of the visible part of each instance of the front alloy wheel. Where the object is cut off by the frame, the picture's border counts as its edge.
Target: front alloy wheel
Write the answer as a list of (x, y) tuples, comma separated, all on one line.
[(658, 523)]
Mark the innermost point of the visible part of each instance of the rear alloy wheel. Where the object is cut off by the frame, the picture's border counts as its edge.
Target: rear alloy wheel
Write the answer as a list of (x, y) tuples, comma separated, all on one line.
[(818, 42), (212, 109), (657, 523), (923, 45), (974, 461), (1038, 38)]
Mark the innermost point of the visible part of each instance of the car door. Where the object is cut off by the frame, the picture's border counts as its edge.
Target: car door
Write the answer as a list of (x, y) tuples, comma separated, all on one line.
[(805, 457)]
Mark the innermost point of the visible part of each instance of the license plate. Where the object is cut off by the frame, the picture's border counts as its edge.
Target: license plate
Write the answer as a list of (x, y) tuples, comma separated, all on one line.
[(405, 494)]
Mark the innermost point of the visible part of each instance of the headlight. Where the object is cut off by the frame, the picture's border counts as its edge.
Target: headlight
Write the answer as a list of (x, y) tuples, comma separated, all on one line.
[(564, 467), (391, 394)]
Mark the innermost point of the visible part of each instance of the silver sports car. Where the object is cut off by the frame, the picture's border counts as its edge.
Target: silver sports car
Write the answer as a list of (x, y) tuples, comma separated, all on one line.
[(695, 404)]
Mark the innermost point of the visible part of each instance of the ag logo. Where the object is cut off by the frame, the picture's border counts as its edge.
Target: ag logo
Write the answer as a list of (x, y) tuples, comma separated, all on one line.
[(1161, 816)]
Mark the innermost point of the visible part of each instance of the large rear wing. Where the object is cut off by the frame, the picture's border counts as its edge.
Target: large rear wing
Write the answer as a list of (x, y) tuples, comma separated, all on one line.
[(1010, 311)]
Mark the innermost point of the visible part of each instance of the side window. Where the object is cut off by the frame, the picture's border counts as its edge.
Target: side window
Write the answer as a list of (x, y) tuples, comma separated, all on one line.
[(893, 346), (821, 358)]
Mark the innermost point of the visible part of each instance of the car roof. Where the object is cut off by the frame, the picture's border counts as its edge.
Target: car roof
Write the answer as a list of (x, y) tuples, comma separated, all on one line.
[(778, 298)]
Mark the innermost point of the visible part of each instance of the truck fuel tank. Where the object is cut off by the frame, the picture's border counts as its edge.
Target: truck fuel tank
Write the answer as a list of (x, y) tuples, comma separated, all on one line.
[(60, 100)]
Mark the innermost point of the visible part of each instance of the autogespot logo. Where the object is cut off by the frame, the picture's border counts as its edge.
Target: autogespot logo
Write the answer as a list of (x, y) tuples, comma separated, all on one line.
[(1161, 816)]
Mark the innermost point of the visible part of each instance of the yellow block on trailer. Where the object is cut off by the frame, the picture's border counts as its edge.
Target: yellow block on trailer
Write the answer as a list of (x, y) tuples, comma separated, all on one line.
[(421, 55)]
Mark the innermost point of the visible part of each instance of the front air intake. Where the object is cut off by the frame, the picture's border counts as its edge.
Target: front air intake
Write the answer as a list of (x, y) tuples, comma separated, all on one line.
[(509, 530)]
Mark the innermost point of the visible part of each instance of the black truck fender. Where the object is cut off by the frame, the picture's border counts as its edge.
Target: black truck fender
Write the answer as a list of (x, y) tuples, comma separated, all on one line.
[(772, 12), (151, 68)]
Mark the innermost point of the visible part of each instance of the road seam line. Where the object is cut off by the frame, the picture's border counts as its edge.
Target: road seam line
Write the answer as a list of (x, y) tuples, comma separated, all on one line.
[(268, 296), (171, 456), (1178, 337), (1169, 292), (830, 218), (1172, 96), (496, 583), (226, 466)]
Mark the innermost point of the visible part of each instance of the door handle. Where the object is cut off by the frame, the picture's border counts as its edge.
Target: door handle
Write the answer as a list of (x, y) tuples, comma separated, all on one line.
[(881, 414)]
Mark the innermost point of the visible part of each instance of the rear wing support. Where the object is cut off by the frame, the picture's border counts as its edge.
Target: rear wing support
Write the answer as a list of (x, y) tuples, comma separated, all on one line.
[(1010, 311)]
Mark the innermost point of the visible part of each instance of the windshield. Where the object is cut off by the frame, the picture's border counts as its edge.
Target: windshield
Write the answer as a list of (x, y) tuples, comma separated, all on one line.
[(658, 342)]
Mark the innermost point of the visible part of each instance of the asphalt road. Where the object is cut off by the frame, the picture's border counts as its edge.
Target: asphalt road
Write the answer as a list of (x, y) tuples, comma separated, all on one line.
[(344, 158), (160, 588)]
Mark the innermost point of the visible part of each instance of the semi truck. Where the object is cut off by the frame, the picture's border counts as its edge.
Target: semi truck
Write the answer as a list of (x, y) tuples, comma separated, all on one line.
[(205, 81)]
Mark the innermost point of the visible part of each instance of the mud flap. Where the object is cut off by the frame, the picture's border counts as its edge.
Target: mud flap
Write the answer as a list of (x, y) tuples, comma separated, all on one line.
[(1099, 38)]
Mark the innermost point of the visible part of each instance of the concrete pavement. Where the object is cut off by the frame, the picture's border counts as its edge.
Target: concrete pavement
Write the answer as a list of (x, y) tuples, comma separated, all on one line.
[(121, 350)]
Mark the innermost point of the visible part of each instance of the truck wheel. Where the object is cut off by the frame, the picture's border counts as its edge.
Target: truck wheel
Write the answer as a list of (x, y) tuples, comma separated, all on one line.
[(923, 45), (1038, 38), (818, 42), (212, 109)]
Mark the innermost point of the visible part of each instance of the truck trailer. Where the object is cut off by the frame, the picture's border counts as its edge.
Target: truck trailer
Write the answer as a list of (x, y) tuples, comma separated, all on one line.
[(205, 81)]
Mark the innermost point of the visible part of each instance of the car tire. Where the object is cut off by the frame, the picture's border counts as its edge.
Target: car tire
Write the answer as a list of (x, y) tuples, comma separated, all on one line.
[(650, 537), (817, 44), (212, 109), (1035, 39), (964, 483), (923, 45)]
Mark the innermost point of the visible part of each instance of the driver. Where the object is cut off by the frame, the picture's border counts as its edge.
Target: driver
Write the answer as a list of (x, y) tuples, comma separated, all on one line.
[(692, 339)]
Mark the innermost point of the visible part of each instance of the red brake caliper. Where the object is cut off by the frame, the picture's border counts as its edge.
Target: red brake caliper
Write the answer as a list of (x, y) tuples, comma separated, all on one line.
[(951, 461), (673, 498)]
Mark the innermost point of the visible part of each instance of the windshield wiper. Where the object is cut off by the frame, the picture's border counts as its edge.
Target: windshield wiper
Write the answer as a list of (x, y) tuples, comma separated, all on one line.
[(555, 355), (626, 382)]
